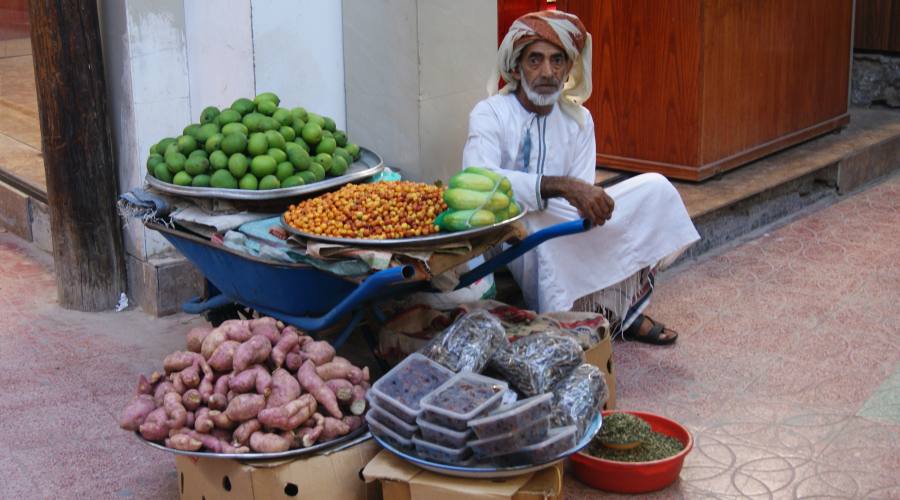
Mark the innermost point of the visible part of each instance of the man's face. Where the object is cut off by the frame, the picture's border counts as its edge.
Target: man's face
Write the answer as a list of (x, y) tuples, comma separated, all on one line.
[(543, 69)]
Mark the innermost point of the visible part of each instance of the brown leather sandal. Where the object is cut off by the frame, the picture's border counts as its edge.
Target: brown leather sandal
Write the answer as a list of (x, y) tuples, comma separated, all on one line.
[(654, 336)]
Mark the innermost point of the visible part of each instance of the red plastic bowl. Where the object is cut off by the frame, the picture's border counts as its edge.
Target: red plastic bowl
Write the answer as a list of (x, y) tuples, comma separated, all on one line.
[(635, 477)]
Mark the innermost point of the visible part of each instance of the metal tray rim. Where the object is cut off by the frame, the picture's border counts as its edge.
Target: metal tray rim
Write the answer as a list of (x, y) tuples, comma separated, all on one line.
[(370, 160), (492, 472), (263, 456), (432, 239)]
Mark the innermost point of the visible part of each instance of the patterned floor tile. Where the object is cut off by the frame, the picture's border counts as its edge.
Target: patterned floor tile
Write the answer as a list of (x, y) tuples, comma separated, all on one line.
[(758, 448), (804, 332), (884, 405)]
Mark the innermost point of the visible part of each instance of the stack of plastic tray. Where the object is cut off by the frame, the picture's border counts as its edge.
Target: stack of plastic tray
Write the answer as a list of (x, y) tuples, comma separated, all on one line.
[(447, 411), (508, 434), (558, 440), (395, 398), (461, 418)]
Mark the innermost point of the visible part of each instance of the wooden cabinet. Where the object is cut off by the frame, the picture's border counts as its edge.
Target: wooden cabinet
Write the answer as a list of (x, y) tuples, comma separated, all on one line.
[(691, 88), (877, 25)]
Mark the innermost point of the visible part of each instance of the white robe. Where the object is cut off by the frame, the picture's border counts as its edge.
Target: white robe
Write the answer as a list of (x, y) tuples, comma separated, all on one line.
[(649, 221)]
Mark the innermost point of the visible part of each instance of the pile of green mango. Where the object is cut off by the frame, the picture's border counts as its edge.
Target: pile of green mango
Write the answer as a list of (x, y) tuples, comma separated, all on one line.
[(477, 197), (254, 144)]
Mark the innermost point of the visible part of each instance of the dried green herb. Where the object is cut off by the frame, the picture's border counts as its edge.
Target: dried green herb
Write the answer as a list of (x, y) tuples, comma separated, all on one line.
[(622, 428), (655, 447)]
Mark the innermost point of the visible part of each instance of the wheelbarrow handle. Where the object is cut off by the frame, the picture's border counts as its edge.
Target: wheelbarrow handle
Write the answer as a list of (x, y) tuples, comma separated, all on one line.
[(526, 245), (373, 285), (196, 305)]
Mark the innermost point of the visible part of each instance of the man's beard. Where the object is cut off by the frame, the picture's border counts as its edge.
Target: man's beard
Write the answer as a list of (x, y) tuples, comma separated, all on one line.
[(539, 99)]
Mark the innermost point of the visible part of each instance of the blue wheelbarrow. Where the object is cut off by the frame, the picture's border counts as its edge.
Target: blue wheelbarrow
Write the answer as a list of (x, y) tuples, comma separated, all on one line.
[(311, 299)]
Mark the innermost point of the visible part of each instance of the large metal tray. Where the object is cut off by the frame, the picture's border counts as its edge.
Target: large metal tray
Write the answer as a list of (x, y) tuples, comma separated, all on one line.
[(369, 164), (491, 472), (358, 435), (417, 241)]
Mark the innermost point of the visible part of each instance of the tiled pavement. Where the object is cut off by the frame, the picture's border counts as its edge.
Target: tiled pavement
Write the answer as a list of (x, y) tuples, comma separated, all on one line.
[(785, 340), (786, 370)]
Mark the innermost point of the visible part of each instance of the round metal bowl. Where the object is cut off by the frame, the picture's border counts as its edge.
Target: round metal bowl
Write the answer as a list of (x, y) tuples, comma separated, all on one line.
[(334, 444), (369, 164), (431, 240), (491, 472)]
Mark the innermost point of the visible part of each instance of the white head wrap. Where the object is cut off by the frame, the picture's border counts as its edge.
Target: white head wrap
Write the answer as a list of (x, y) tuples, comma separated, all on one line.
[(561, 29)]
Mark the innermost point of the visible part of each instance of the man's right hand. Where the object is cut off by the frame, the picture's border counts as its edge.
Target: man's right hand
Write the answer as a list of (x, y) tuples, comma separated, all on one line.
[(591, 201)]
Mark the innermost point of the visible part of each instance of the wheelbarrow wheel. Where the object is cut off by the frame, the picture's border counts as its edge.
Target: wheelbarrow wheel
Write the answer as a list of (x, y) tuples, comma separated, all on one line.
[(219, 315)]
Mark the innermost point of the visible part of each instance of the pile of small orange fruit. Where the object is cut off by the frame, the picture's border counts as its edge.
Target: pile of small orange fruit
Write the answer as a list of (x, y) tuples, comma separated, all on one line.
[(375, 211)]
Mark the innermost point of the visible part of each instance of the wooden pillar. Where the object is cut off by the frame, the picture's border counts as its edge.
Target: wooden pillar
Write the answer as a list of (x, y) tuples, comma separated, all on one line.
[(78, 155)]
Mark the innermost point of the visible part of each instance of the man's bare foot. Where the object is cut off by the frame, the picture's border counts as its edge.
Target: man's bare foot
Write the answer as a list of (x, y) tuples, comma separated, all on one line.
[(644, 329)]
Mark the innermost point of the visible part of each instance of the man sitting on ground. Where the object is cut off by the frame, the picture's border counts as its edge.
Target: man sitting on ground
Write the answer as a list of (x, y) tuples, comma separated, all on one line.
[(536, 132)]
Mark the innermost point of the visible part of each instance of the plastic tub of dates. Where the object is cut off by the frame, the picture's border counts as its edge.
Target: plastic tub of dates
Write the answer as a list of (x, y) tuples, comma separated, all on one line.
[(559, 439), (443, 454), (465, 396), (512, 441), (518, 416), (401, 390), (442, 436), (384, 432), (393, 423)]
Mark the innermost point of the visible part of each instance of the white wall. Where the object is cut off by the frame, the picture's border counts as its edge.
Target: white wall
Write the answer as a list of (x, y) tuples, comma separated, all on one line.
[(117, 63), (457, 53), (219, 38), (298, 50), (147, 78), (382, 75), (414, 70)]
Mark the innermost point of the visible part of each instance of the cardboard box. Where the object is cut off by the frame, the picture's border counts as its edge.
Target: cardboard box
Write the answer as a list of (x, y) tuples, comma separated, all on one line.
[(336, 475), (601, 356), (401, 480)]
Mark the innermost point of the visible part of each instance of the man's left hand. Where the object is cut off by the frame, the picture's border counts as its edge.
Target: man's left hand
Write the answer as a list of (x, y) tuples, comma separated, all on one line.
[(591, 201)]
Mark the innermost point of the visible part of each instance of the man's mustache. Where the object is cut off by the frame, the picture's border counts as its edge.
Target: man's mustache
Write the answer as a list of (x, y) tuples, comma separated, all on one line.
[(548, 82)]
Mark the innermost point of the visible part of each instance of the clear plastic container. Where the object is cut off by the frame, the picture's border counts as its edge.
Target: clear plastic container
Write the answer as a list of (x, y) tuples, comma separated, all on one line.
[(401, 390), (559, 440), (382, 431), (465, 396), (509, 399), (431, 451), (512, 441), (442, 436), (513, 418), (393, 423)]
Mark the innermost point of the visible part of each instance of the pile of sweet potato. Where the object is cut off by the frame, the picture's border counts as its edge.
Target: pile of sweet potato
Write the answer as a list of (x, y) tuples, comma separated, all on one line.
[(249, 385)]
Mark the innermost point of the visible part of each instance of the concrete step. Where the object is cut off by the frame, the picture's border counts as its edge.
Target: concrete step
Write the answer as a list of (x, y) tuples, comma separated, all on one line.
[(778, 186), (25, 214)]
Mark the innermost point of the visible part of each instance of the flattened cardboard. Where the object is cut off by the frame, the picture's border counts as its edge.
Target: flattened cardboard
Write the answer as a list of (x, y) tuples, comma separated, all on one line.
[(428, 485), (600, 355), (546, 484), (401, 480), (311, 478), (389, 467)]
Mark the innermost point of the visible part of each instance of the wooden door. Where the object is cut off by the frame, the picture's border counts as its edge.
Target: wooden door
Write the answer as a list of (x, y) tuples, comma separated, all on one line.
[(646, 78), (877, 25), (690, 88)]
